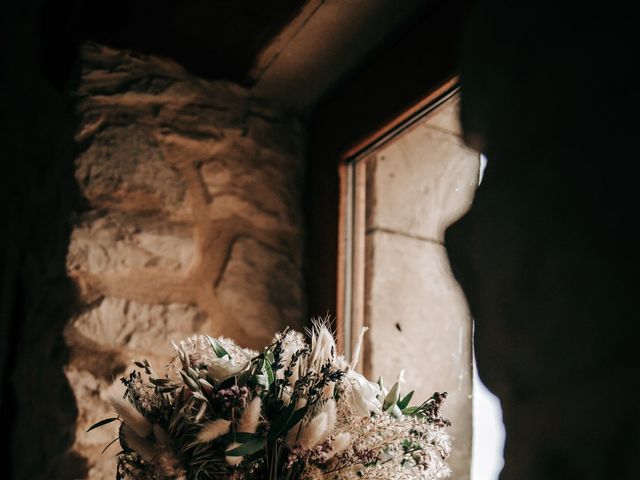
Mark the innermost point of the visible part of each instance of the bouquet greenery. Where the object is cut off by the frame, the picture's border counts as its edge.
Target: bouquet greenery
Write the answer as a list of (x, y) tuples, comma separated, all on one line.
[(295, 411)]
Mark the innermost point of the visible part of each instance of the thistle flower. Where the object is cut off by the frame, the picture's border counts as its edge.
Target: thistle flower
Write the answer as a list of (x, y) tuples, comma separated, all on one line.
[(131, 417)]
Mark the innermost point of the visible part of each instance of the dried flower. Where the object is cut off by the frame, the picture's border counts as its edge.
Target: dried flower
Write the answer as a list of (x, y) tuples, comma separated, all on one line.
[(250, 417), (315, 431), (142, 446), (213, 430), (131, 417), (295, 410)]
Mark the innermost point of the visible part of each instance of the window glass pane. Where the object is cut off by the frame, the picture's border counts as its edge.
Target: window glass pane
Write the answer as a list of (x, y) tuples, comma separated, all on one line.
[(404, 196)]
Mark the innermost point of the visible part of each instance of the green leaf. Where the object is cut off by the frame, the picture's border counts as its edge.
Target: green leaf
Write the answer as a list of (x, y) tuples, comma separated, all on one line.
[(286, 421), (252, 446), (101, 423), (267, 369), (404, 402), (277, 426), (410, 410), (217, 347)]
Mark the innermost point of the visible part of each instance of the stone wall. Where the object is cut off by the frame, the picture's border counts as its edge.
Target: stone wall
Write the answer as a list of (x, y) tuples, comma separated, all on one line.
[(193, 224)]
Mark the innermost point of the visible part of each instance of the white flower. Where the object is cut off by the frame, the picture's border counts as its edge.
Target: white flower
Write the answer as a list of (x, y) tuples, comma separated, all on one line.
[(222, 368), (363, 394)]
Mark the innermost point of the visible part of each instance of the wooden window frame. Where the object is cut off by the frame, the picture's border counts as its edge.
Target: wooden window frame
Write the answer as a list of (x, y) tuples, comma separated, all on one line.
[(405, 77)]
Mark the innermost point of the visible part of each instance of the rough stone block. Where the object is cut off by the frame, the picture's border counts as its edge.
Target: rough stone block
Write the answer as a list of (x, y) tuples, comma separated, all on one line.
[(120, 243), (446, 117), (93, 394), (419, 321), (261, 288), (123, 168), (125, 324), (244, 180), (421, 183)]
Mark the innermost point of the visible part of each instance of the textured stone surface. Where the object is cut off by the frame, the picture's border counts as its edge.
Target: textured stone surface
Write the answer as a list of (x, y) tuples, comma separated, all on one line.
[(274, 289), (243, 179), (446, 117), (424, 181), (419, 321), (194, 223), (115, 243), (125, 324), (95, 391), (417, 186), (124, 168)]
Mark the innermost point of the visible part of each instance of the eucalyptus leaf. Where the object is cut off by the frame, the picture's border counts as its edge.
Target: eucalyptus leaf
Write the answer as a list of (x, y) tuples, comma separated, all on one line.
[(240, 437), (288, 423), (252, 446), (277, 426), (395, 411), (243, 378)]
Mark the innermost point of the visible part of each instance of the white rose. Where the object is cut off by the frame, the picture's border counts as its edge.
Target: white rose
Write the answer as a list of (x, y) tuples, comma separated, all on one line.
[(363, 394), (224, 367)]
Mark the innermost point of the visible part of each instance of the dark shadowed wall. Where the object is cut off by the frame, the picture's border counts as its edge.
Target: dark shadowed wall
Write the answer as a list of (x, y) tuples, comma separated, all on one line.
[(548, 254)]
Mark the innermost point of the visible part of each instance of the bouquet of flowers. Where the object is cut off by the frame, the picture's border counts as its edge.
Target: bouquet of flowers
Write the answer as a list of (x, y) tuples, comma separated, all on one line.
[(295, 411)]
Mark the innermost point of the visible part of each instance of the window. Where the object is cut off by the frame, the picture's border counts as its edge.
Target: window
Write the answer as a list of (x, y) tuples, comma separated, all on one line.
[(399, 196)]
